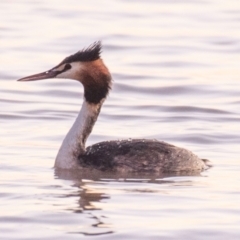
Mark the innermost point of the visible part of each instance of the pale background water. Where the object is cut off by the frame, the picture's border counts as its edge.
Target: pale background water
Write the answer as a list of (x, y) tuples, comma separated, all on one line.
[(175, 65)]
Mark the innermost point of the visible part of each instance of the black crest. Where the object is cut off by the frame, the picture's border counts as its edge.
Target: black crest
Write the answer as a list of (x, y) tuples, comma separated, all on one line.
[(86, 55)]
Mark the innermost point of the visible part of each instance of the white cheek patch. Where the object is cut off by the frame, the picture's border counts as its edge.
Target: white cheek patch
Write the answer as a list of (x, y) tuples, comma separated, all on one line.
[(72, 73), (63, 75)]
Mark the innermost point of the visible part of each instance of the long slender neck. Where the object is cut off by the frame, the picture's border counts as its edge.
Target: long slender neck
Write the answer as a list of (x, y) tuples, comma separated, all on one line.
[(74, 143)]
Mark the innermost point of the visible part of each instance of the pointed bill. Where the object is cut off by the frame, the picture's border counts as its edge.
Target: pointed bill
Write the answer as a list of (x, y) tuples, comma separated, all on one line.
[(39, 76)]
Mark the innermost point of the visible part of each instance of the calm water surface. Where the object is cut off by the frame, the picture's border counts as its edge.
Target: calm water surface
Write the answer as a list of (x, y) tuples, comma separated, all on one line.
[(176, 73)]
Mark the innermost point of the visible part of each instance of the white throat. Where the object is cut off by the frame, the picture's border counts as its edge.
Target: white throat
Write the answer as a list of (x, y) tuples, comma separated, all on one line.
[(74, 143)]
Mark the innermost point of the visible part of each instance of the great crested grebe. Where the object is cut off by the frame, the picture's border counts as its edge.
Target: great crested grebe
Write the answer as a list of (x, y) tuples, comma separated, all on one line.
[(135, 155)]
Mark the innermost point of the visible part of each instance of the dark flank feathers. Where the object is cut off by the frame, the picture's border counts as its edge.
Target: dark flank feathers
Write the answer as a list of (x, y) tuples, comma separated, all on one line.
[(140, 155), (91, 53)]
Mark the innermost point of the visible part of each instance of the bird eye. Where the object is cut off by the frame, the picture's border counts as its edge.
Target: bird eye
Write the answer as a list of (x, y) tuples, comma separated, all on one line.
[(67, 67)]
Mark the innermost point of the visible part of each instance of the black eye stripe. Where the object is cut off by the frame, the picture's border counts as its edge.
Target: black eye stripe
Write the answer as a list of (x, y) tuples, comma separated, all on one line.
[(66, 67)]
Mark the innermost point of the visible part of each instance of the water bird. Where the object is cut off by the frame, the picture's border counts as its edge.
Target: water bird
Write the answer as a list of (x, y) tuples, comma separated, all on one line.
[(128, 155)]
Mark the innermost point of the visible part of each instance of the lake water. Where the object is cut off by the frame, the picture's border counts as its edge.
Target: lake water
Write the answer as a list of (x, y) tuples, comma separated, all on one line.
[(175, 65)]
